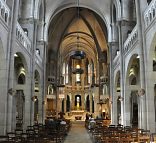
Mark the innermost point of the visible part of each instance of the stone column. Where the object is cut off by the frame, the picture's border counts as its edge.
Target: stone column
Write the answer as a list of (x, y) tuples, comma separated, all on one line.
[(83, 100), (65, 103), (122, 84), (30, 22), (115, 115), (127, 103), (59, 105), (151, 124), (73, 101), (96, 101), (112, 52), (29, 105), (140, 7), (10, 114), (141, 110), (43, 84), (40, 104)]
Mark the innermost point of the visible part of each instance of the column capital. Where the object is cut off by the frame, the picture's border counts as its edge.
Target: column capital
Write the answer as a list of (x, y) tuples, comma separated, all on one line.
[(141, 92)]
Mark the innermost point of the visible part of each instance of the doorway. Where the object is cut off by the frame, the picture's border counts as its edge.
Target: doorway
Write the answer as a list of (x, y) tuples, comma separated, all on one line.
[(78, 102), (63, 106), (87, 104), (68, 104), (92, 104)]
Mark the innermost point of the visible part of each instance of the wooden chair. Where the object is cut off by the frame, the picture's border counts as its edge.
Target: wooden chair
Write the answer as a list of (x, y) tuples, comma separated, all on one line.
[(153, 137), (4, 139), (24, 137), (18, 135), (144, 136), (135, 134), (125, 137), (114, 138), (12, 136), (97, 134), (30, 127), (30, 135)]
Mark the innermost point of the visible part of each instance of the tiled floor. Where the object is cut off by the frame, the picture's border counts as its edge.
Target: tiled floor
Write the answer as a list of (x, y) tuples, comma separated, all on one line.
[(78, 134)]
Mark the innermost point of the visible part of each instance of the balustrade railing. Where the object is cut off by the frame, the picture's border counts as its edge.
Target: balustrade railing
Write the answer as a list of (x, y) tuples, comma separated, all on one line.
[(132, 38), (4, 12), (23, 38), (150, 13)]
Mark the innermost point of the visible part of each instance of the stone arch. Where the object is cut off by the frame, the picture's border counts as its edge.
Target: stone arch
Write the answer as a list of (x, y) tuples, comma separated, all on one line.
[(128, 65), (130, 91), (54, 12), (118, 8), (21, 80), (128, 68), (24, 60), (21, 67), (151, 53)]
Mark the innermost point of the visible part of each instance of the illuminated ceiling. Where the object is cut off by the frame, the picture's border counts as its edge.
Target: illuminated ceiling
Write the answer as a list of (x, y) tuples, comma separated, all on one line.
[(76, 29)]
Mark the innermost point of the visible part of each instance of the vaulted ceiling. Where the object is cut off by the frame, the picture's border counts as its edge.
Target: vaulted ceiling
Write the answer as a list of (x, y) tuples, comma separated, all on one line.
[(78, 26)]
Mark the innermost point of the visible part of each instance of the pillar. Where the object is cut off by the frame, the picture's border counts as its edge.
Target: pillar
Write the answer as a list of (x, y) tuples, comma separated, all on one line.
[(10, 113), (65, 104), (140, 7), (122, 84), (112, 53)]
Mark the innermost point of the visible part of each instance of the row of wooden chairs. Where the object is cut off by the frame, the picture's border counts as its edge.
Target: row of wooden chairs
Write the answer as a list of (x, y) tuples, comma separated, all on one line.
[(38, 133), (120, 134)]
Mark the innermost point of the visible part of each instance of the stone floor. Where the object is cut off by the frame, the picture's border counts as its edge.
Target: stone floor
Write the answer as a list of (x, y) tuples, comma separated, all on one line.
[(78, 134)]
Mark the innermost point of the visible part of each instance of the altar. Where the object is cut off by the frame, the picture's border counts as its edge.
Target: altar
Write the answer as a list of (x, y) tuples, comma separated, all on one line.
[(77, 115)]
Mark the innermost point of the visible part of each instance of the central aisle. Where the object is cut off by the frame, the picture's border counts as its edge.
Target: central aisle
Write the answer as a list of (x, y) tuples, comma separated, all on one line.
[(78, 134)]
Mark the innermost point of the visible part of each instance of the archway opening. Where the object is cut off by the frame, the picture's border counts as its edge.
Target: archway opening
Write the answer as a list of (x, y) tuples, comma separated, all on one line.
[(78, 102), (20, 69), (76, 48), (68, 104), (87, 104)]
